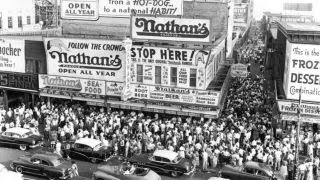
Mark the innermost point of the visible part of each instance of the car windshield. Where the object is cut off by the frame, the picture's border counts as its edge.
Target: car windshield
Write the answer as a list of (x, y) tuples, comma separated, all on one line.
[(176, 160), (98, 146)]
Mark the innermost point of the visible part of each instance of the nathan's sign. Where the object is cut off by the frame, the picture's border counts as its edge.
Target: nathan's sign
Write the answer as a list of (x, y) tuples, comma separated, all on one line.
[(170, 28), (124, 8), (305, 108), (79, 9), (95, 59), (178, 95), (12, 55), (73, 87)]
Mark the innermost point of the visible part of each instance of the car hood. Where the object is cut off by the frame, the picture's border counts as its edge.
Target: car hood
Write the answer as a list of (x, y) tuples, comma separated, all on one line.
[(65, 164)]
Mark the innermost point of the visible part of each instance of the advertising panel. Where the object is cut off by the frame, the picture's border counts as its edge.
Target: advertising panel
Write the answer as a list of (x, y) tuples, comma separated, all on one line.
[(158, 63), (12, 55), (79, 9), (239, 70), (124, 8), (287, 67), (170, 29), (72, 87), (19, 80), (95, 59), (303, 66), (177, 95), (114, 88), (240, 13), (305, 108)]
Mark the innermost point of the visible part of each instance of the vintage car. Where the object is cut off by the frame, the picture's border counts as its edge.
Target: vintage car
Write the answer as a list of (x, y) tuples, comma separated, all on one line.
[(20, 137), (49, 165), (164, 162), (249, 171), (116, 169), (6, 174), (89, 149)]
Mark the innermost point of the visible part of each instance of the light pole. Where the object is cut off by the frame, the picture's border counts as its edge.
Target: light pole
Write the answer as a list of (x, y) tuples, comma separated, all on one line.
[(297, 137)]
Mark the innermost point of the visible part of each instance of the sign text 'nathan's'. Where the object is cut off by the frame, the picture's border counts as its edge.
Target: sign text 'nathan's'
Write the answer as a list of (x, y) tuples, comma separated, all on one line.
[(172, 29), (90, 58)]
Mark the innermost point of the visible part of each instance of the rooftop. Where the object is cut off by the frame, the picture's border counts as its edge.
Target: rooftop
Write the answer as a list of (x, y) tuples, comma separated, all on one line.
[(300, 27), (165, 153)]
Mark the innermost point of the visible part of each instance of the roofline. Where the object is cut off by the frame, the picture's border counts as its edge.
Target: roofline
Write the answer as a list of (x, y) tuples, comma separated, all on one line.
[(286, 32)]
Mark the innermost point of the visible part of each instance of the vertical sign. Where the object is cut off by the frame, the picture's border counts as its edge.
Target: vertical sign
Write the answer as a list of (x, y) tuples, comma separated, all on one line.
[(127, 88)]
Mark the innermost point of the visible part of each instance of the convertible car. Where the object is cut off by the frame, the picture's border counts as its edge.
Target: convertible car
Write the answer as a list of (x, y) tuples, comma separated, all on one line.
[(89, 149), (119, 170), (20, 137), (6, 174), (48, 165), (249, 171), (164, 162)]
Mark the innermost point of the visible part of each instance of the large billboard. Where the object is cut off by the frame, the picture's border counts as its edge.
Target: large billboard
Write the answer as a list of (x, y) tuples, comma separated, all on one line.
[(12, 55), (89, 58), (115, 8), (177, 95), (170, 29), (79, 9), (302, 72), (159, 62)]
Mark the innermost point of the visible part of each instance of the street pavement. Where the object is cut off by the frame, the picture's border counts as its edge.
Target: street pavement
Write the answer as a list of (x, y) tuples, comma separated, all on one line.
[(85, 168)]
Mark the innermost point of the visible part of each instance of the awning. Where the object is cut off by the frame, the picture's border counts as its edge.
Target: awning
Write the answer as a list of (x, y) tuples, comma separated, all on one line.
[(163, 109), (95, 101), (294, 117)]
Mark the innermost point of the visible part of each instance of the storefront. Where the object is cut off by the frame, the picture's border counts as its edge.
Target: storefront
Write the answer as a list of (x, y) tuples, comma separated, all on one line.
[(296, 74), (18, 81)]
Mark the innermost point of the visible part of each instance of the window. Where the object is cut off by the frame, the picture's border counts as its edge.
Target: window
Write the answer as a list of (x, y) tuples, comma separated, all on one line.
[(158, 74), (165, 160), (193, 77), (28, 20), (10, 22), (249, 170), (298, 6), (19, 21), (157, 158), (261, 173), (139, 73), (173, 74), (45, 163)]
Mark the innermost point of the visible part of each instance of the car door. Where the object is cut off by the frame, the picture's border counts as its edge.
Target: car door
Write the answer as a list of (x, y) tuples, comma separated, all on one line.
[(158, 164), (250, 174), (6, 138), (81, 151), (34, 167)]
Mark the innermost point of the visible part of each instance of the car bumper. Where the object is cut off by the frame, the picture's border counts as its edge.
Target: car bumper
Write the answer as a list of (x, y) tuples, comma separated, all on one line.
[(66, 177), (36, 145), (191, 172)]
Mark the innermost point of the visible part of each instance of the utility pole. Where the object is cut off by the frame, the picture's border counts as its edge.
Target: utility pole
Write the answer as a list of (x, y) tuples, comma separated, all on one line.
[(298, 135)]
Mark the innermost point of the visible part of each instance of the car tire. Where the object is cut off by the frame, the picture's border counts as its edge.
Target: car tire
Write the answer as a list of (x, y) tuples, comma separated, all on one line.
[(23, 147), (174, 173), (93, 160), (19, 169), (51, 178)]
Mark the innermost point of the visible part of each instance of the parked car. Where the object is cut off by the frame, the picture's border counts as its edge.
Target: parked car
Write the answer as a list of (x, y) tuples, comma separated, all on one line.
[(249, 171), (116, 169), (20, 137), (48, 165), (164, 162), (89, 149), (6, 174)]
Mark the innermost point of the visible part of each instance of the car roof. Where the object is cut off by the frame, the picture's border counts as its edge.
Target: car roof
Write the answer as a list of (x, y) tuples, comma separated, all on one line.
[(18, 130), (166, 154), (257, 165), (88, 141), (47, 157)]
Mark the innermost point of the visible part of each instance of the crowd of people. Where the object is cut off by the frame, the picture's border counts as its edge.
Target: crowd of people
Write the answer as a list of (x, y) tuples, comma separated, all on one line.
[(243, 133)]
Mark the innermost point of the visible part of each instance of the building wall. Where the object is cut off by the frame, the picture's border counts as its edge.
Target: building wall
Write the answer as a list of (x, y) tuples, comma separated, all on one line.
[(302, 8), (15, 9), (230, 45)]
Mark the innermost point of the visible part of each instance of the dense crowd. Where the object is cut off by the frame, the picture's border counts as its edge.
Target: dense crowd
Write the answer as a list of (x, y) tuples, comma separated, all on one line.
[(243, 132)]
